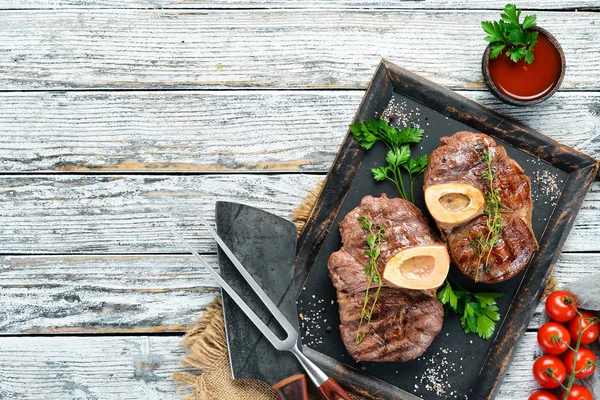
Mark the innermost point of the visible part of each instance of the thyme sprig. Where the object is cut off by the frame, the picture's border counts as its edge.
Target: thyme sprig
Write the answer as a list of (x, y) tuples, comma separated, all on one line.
[(484, 246), (374, 238)]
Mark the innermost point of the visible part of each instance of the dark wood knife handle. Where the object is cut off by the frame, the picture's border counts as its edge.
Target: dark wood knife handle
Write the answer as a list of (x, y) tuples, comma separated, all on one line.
[(292, 388), (330, 390)]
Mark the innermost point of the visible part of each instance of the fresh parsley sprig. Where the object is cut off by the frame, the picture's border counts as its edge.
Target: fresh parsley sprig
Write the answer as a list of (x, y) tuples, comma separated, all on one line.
[(478, 311), (374, 238), (398, 157), (510, 35)]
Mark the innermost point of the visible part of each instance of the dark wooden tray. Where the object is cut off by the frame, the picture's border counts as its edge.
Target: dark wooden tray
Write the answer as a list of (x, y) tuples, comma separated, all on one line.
[(455, 363)]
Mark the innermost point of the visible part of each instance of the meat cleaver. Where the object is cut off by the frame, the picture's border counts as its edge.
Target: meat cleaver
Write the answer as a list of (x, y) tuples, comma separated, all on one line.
[(266, 245)]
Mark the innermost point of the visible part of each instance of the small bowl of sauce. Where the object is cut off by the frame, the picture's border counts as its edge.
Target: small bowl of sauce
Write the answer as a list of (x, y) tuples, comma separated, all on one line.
[(521, 84)]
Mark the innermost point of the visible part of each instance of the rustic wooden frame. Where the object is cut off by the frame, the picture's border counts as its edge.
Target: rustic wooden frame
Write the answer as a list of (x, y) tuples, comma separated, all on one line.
[(581, 171)]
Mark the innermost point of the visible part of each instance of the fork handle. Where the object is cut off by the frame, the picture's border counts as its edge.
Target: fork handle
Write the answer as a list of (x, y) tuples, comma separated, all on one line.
[(330, 390)]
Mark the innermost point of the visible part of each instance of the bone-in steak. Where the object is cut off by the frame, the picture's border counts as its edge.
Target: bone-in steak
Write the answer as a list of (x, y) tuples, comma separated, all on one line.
[(459, 163), (404, 322)]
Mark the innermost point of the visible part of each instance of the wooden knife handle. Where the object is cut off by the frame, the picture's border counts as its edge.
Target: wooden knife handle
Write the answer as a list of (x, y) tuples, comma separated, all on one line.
[(292, 388), (330, 390)]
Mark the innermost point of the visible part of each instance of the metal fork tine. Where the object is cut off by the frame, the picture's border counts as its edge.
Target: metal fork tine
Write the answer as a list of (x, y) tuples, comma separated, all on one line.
[(275, 341), (281, 319)]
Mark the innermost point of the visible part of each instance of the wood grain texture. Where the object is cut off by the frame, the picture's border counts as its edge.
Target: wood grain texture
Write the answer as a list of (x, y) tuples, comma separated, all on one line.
[(135, 294), (120, 49), (292, 388), (173, 131), (217, 131), (388, 4), (97, 294), (139, 367), (129, 214), (518, 383), (119, 368)]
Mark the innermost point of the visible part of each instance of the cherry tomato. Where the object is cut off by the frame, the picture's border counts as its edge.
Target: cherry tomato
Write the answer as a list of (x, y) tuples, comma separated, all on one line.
[(561, 306), (553, 338), (578, 392), (549, 371), (586, 362), (590, 327), (542, 395)]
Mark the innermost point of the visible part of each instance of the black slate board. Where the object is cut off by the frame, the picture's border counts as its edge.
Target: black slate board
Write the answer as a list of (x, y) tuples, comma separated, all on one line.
[(455, 361)]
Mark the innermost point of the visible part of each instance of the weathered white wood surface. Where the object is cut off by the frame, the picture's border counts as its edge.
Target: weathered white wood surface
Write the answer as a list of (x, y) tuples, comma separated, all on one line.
[(116, 268), (387, 4), (96, 294), (139, 367), (120, 49), (221, 131), (128, 214), (90, 368), (134, 294)]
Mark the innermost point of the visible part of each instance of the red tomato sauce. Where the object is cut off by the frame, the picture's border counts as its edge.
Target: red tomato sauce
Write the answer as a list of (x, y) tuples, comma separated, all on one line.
[(522, 81)]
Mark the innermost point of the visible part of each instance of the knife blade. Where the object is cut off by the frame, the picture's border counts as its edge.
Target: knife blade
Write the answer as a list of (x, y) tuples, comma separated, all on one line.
[(252, 234)]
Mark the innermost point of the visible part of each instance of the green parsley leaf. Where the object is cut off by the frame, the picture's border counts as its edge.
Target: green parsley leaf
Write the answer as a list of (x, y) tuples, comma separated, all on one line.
[(469, 319), (529, 21), (511, 14), (487, 299), (380, 174), (368, 133), (485, 327), (416, 165), (516, 53), (410, 135), (509, 35), (531, 37), (529, 56), (497, 50), (447, 296), (494, 31), (422, 163), (516, 35), (363, 135), (398, 156), (478, 311)]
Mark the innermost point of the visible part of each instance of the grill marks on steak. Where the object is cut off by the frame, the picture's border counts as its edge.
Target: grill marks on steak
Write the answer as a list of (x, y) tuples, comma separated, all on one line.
[(404, 322), (405, 226), (460, 160), (510, 254)]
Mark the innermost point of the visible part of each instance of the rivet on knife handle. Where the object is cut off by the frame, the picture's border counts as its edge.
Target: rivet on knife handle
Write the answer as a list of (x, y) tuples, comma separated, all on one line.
[(292, 388), (330, 390)]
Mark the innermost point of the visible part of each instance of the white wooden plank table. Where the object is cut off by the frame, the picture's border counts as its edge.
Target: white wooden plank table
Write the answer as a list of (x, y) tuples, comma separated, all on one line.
[(109, 110)]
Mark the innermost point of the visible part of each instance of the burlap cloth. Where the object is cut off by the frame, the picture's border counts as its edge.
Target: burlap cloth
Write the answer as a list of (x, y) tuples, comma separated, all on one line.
[(208, 375)]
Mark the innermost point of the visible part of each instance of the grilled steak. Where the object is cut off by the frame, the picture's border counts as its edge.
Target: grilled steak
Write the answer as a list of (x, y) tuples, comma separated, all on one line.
[(460, 160), (404, 322)]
